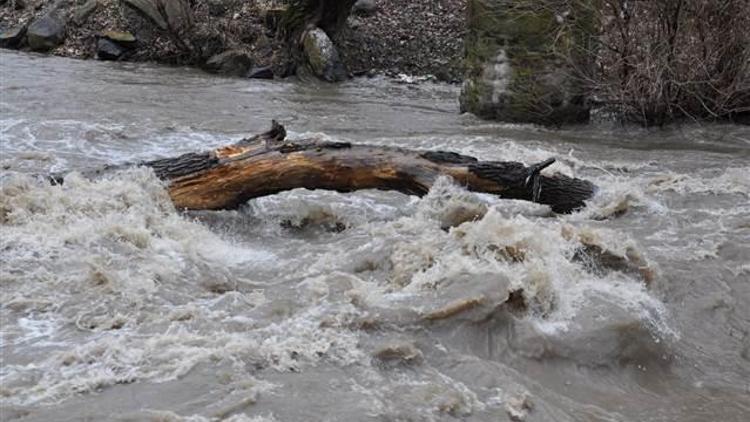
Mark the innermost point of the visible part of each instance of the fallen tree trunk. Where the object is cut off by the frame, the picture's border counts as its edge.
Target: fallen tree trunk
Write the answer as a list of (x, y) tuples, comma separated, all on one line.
[(267, 164)]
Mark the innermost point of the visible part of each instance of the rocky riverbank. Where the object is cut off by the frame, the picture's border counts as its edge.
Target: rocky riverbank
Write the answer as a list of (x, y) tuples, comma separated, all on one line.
[(236, 37), (420, 37)]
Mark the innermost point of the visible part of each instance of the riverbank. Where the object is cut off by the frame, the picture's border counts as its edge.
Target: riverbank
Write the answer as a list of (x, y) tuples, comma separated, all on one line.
[(238, 38)]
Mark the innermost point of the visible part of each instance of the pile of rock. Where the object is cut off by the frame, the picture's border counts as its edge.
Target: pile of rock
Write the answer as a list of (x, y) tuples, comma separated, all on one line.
[(222, 36)]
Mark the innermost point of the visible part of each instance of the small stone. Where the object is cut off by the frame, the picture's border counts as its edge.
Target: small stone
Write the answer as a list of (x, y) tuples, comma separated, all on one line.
[(47, 32), (364, 8), (109, 50), (84, 11), (230, 62), (12, 37), (264, 72), (398, 353)]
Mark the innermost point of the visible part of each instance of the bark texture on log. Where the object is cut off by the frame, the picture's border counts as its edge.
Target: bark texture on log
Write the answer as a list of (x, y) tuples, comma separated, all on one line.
[(267, 164)]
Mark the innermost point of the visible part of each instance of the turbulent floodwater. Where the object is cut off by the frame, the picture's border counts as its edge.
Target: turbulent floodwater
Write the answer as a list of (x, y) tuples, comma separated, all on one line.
[(312, 306)]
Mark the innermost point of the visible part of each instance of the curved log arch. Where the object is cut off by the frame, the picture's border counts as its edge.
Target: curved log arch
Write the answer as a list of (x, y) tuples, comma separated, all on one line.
[(267, 164)]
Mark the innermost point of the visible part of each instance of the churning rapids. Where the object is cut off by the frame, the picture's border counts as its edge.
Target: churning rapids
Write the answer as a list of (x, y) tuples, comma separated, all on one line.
[(310, 305)]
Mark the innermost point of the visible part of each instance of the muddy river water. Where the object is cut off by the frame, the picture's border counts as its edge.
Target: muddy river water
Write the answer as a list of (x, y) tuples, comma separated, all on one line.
[(311, 305)]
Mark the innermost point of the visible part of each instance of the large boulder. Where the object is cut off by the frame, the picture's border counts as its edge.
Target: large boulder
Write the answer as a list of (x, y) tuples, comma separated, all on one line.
[(12, 37), (231, 62), (322, 56), (521, 61), (46, 32)]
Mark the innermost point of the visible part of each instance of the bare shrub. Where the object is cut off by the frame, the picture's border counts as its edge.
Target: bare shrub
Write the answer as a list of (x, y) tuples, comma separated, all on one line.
[(662, 60)]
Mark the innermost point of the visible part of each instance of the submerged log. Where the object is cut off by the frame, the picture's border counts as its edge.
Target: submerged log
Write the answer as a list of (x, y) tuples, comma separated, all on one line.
[(267, 164)]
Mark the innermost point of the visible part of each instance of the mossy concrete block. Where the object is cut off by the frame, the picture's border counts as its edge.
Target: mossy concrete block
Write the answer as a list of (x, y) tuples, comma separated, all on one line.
[(521, 61), (123, 38)]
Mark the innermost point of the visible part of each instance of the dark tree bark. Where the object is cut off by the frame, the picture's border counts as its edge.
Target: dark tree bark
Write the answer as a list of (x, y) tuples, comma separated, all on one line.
[(329, 15), (267, 164)]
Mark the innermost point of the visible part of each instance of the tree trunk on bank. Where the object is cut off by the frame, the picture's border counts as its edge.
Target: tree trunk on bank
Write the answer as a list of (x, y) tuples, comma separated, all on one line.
[(267, 164)]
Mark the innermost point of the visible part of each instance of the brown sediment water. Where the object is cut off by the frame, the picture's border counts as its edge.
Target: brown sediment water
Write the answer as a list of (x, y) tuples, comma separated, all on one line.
[(368, 306)]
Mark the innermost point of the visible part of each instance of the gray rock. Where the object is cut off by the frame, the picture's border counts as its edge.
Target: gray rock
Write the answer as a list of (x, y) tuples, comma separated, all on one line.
[(12, 37), (230, 62), (264, 72), (46, 32), (107, 49), (364, 8), (84, 11), (218, 8), (322, 56)]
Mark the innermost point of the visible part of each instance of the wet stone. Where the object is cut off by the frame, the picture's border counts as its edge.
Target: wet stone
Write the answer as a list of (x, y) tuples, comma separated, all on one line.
[(398, 353), (263, 72), (231, 62), (109, 50), (47, 32), (12, 37)]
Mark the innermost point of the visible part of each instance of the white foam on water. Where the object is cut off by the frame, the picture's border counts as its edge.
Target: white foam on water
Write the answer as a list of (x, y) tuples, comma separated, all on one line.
[(93, 267)]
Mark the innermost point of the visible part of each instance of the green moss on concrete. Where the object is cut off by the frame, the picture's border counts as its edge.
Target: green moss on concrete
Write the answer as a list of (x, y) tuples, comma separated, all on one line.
[(533, 38)]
